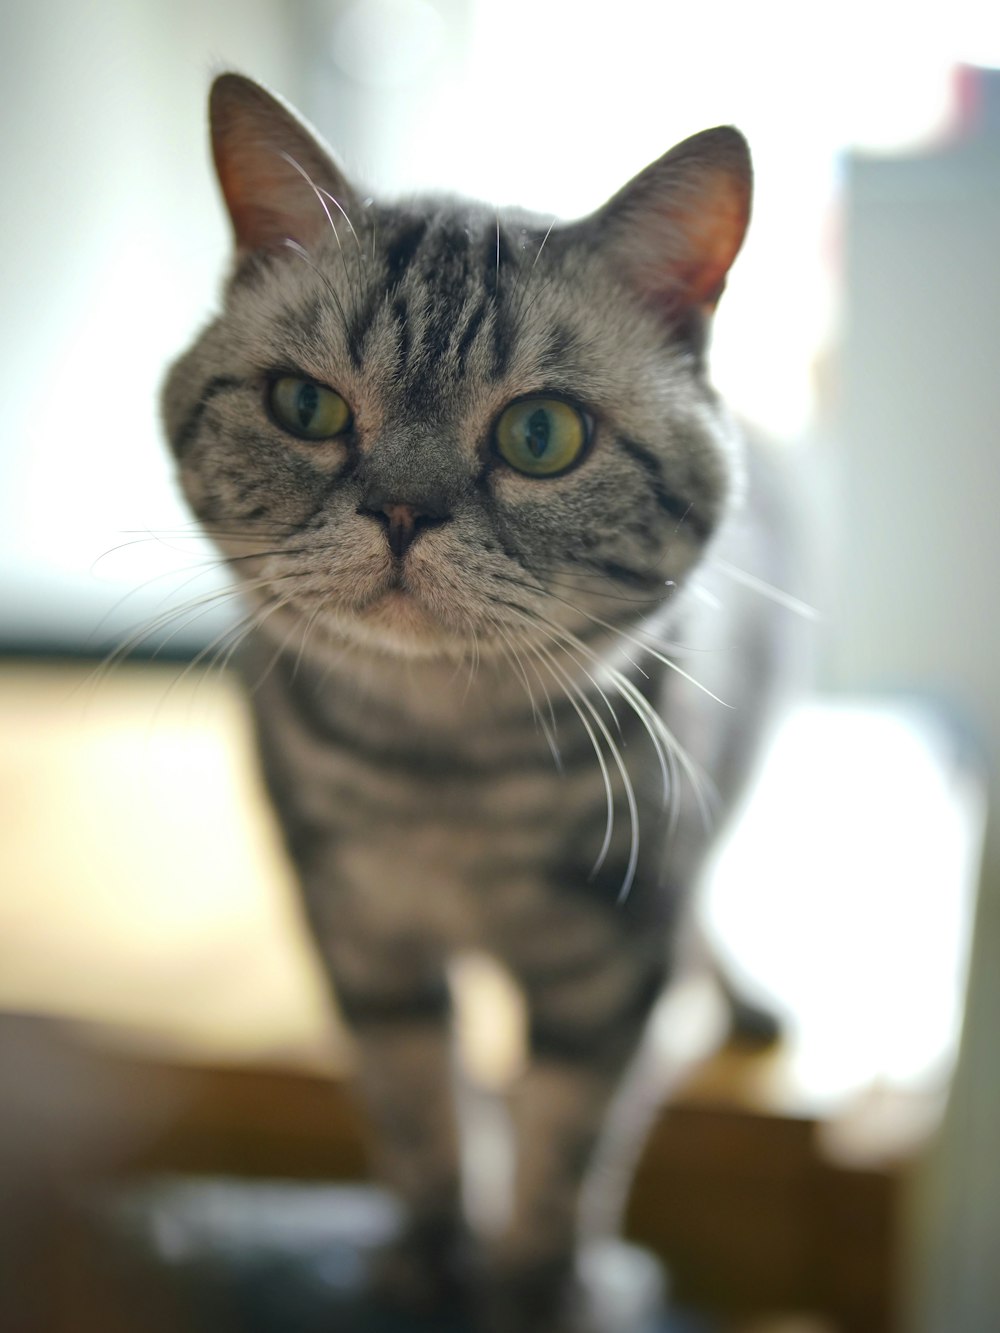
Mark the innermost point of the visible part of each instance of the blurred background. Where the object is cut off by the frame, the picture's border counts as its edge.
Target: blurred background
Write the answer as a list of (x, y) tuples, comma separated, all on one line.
[(860, 330)]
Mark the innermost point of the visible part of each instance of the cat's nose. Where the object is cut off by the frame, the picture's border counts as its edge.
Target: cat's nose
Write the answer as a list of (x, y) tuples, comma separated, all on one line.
[(403, 522)]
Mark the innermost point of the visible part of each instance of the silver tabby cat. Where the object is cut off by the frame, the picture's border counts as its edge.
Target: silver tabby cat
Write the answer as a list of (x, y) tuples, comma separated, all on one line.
[(474, 482)]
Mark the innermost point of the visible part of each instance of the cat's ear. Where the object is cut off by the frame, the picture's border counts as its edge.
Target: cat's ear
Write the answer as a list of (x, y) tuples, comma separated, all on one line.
[(279, 181), (676, 228)]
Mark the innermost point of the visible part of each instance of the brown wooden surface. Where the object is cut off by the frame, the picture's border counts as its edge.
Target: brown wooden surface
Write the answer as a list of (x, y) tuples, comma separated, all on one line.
[(742, 1204)]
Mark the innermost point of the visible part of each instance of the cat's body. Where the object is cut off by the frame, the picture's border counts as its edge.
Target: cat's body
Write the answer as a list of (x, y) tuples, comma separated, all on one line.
[(469, 728)]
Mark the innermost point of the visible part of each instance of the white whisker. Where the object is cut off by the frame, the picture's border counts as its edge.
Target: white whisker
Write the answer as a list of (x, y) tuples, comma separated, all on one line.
[(768, 590), (317, 190), (542, 246), (653, 652), (573, 694), (338, 205), (510, 651), (291, 244), (633, 861), (669, 751)]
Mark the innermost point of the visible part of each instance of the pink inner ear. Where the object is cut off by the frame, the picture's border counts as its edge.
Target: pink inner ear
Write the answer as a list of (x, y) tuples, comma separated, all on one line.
[(714, 233), (707, 230), (277, 179), (268, 200)]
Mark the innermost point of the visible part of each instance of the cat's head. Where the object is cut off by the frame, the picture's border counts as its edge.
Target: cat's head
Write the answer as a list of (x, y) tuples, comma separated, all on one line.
[(430, 425)]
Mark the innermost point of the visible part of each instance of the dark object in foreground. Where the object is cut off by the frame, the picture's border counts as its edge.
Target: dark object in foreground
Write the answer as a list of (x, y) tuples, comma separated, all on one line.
[(273, 1257), (749, 1211)]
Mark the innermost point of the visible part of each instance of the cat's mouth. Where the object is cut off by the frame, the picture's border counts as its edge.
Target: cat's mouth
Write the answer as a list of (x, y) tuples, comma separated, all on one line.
[(394, 600), (397, 609), (399, 612)]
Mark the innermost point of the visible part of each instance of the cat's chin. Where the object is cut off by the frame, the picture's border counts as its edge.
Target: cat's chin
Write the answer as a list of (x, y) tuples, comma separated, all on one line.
[(397, 614), (391, 624), (397, 624)]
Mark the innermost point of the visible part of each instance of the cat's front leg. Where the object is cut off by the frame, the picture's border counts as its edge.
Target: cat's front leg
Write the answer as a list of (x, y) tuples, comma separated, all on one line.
[(405, 1080), (587, 1017), (397, 1005)]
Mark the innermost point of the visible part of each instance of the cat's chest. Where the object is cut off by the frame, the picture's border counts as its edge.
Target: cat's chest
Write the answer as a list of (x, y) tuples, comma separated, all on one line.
[(437, 834), (419, 882), (448, 781), (403, 827)]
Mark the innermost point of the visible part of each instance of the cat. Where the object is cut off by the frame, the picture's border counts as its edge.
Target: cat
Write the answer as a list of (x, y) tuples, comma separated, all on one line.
[(472, 477)]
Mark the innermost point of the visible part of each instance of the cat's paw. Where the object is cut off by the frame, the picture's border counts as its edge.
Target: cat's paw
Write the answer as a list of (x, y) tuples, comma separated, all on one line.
[(609, 1287), (426, 1270), (542, 1297)]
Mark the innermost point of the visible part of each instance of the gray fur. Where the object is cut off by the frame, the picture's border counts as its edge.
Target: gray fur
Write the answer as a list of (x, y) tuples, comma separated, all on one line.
[(409, 712)]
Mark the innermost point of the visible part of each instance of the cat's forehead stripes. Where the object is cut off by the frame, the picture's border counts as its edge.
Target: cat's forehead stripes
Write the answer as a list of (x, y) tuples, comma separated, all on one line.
[(442, 289), (423, 311), (401, 246)]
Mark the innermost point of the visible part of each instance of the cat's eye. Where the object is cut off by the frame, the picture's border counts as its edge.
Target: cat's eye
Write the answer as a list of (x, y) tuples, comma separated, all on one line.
[(307, 409), (541, 436)]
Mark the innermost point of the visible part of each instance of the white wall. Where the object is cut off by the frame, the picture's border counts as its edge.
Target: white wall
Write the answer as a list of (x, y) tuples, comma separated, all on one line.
[(111, 244), (918, 583)]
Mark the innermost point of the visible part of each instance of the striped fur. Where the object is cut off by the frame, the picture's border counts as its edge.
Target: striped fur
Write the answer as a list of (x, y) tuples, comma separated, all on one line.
[(471, 747)]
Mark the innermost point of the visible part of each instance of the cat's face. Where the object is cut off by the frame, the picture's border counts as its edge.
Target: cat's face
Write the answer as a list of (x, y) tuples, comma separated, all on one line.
[(432, 427)]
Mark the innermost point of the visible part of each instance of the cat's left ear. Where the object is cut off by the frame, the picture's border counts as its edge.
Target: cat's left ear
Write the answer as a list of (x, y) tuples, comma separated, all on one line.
[(278, 179), (676, 228)]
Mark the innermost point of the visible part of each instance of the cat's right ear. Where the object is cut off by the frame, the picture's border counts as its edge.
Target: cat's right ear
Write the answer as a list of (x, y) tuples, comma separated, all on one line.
[(674, 230), (279, 182)]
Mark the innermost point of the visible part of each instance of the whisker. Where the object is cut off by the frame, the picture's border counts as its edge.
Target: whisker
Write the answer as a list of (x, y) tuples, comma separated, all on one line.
[(297, 626), (572, 689), (570, 692), (510, 651), (215, 645), (640, 643), (542, 246), (206, 567), (596, 584), (343, 212), (316, 189), (668, 750), (473, 662), (639, 704), (768, 590), (599, 722), (321, 198), (185, 616), (650, 642), (524, 310), (135, 541), (304, 255), (279, 605), (558, 639), (653, 722), (117, 656), (310, 624), (203, 568)]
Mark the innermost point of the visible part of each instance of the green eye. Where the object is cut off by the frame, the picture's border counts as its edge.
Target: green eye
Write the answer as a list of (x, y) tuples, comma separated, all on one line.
[(541, 436), (306, 409)]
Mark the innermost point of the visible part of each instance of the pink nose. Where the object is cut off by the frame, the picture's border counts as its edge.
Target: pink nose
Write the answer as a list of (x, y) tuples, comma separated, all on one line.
[(402, 528), (403, 523)]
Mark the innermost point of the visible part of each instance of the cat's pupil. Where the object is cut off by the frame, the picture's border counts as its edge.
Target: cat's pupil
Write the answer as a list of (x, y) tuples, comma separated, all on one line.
[(306, 403), (538, 431)]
